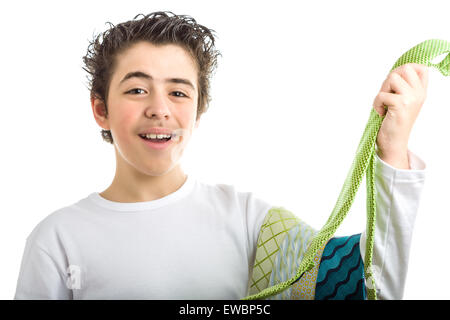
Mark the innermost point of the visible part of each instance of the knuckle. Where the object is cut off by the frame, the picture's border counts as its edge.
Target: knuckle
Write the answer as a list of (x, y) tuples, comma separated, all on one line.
[(392, 76)]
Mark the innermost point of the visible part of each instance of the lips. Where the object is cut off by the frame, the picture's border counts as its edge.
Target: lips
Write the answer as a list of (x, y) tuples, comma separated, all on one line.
[(156, 130)]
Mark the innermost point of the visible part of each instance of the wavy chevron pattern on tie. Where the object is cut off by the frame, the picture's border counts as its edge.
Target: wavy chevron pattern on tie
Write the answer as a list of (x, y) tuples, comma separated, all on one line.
[(423, 53), (341, 271)]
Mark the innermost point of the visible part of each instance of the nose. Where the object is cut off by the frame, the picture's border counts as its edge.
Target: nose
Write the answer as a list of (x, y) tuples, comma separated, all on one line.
[(158, 105)]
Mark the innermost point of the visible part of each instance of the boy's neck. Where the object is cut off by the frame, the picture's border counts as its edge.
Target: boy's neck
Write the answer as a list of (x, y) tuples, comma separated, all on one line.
[(126, 189)]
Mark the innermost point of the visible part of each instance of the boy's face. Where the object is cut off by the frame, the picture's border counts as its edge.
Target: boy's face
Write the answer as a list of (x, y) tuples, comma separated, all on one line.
[(140, 103)]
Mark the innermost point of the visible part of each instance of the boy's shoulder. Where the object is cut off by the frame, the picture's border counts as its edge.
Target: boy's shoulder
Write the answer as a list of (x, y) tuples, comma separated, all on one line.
[(229, 193), (50, 225), (222, 190)]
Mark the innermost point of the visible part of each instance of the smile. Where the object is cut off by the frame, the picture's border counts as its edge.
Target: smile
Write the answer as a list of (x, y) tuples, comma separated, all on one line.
[(156, 143)]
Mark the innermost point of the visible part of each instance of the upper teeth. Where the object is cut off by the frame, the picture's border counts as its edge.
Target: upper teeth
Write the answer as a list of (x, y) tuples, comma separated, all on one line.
[(156, 136)]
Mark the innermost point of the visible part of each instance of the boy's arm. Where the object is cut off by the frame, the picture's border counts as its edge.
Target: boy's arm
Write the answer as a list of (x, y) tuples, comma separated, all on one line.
[(400, 100)]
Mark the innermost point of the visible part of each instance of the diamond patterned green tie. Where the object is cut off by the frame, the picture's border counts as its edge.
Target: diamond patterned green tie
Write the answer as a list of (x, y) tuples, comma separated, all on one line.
[(422, 53)]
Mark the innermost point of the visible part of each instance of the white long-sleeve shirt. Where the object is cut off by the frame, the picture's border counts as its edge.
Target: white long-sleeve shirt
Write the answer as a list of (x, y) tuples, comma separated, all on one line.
[(198, 242), (398, 196)]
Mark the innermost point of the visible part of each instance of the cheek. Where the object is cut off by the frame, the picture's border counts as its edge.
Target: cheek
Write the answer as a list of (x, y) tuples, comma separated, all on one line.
[(123, 126), (189, 116)]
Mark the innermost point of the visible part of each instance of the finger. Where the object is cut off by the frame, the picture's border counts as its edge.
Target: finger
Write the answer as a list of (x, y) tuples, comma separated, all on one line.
[(390, 100), (411, 75), (394, 83), (422, 74)]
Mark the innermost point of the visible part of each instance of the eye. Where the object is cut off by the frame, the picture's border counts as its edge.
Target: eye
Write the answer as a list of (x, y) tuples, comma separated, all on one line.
[(134, 90), (182, 94)]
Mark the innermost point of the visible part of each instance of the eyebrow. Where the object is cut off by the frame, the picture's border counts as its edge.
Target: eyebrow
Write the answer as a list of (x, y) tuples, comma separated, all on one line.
[(140, 74)]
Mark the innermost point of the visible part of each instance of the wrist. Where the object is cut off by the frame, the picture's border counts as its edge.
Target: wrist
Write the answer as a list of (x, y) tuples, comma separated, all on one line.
[(396, 159)]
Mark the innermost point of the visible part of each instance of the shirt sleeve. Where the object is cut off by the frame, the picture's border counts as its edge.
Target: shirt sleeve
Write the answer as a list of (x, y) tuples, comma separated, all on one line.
[(398, 195), (40, 278)]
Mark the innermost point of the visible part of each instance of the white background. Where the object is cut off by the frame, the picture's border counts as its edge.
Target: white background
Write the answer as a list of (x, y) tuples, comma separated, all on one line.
[(291, 97)]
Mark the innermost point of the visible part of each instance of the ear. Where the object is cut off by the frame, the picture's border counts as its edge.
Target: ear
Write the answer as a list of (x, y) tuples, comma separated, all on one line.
[(99, 111)]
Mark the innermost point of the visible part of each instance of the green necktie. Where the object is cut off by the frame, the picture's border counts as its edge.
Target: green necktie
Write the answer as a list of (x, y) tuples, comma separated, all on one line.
[(364, 160)]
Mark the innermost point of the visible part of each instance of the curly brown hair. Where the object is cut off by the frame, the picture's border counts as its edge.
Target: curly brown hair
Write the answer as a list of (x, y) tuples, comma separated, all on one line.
[(158, 28)]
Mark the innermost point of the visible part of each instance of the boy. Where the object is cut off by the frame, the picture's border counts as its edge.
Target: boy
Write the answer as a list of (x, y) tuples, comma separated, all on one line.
[(156, 232)]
